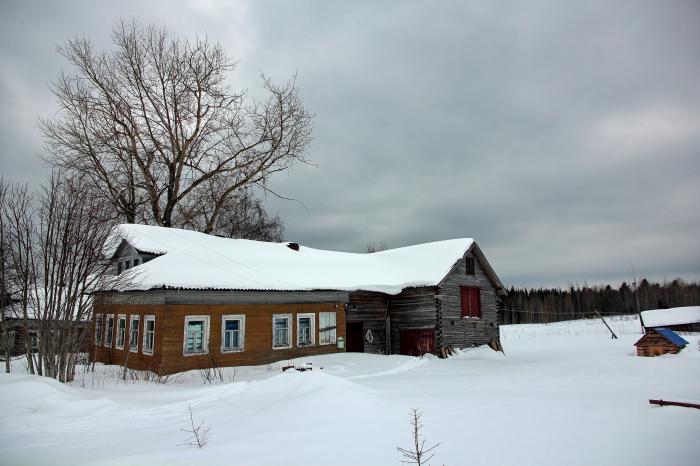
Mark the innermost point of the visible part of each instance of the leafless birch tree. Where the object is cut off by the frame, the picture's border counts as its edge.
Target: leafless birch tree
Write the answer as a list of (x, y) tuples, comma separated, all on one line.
[(156, 129), (57, 241)]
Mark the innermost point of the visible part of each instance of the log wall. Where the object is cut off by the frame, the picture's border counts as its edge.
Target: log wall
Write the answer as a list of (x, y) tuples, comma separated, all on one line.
[(370, 308), (453, 329)]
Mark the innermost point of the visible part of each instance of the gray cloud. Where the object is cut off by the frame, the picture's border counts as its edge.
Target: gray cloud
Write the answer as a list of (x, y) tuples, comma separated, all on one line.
[(563, 136)]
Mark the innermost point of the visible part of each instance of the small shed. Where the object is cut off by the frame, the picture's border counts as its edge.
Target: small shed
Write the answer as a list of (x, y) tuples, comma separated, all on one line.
[(660, 341)]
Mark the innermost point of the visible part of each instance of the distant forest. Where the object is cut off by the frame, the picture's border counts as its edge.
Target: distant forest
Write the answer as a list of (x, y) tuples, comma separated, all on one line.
[(524, 306)]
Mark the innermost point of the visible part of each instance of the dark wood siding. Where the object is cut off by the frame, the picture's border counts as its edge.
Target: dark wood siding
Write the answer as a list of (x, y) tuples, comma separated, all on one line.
[(370, 308), (453, 329), (412, 309)]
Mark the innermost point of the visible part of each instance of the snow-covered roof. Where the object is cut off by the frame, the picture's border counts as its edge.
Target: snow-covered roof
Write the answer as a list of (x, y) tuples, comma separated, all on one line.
[(196, 260), (672, 316)]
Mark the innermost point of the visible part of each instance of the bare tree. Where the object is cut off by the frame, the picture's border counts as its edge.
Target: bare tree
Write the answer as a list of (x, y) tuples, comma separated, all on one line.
[(156, 129), (199, 433), (56, 251), (4, 285), (376, 247), (417, 454), (19, 250), (244, 216)]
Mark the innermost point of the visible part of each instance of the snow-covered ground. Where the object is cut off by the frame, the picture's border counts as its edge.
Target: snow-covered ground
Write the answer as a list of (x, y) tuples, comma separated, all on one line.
[(563, 394)]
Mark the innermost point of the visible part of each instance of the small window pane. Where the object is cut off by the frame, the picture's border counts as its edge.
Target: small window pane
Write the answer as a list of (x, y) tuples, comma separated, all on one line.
[(195, 336), (232, 334), (281, 336), (304, 331)]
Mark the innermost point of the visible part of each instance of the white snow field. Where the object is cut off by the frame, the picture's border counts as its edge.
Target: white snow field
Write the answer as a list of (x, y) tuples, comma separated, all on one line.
[(563, 394)]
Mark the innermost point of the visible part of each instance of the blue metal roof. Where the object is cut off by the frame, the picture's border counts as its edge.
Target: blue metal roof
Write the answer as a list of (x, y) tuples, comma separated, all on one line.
[(671, 336)]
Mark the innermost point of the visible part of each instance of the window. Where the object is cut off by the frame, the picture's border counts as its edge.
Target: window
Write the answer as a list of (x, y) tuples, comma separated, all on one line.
[(99, 328), (136, 262), (326, 328), (34, 340), (126, 264), (110, 330), (149, 334), (8, 340), (281, 326), (134, 334), (232, 333), (121, 331), (471, 302), (469, 265), (119, 267), (196, 335), (306, 329)]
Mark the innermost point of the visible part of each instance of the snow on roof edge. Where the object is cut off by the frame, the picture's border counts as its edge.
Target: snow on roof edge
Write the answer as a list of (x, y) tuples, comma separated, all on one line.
[(263, 266)]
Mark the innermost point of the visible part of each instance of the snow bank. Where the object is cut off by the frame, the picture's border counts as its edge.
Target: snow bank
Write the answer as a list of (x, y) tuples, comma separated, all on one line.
[(191, 259), (563, 393)]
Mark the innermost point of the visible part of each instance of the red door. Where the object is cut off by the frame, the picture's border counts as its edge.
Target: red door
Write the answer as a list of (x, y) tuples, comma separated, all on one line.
[(417, 341), (355, 342)]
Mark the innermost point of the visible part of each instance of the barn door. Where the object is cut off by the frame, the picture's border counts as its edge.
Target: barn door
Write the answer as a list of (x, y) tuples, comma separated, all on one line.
[(417, 341), (355, 340)]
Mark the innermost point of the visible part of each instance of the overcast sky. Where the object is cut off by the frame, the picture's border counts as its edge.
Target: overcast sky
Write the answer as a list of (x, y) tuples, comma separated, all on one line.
[(563, 136)]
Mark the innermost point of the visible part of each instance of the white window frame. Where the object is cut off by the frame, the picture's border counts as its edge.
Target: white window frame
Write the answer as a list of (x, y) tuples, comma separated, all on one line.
[(116, 343), (99, 329), (137, 318), (146, 320), (109, 318), (289, 333), (205, 338), (312, 329), (334, 335), (241, 332)]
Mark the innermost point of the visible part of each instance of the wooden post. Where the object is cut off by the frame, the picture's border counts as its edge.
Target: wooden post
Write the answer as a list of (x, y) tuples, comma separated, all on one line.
[(674, 403), (614, 337)]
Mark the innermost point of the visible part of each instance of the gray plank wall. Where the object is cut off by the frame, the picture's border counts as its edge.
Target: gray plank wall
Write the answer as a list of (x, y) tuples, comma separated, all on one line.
[(370, 309), (413, 308), (455, 331)]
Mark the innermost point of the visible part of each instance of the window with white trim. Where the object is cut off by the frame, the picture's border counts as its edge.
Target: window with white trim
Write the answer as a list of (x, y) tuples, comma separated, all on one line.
[(149, 334), (326, 328), (281, 330), (121, 331), (110, 330), (306, 329), (99, 328), (196, 337), (232, 333), (134, 333)]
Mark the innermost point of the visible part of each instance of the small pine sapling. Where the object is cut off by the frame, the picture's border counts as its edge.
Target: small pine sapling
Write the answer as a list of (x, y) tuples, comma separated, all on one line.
[(418, 454), (199, 433)]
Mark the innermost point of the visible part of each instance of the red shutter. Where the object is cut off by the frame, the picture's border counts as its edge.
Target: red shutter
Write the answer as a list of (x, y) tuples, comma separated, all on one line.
[(471, 302)]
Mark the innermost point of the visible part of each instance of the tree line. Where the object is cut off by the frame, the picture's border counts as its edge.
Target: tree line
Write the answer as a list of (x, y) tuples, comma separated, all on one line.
[(543, 305)]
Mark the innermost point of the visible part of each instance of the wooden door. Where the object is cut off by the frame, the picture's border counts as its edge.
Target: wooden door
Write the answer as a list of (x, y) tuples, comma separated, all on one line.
[(355, 342), (417, 341)]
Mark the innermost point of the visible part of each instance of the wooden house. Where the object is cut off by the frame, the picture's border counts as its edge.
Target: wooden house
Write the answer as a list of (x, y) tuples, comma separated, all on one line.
[(681, 319), (659, 341), (193, 300)]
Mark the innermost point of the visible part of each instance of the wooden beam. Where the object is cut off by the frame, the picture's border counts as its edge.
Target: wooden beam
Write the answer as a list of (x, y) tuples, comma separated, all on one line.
[(674, 403)]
